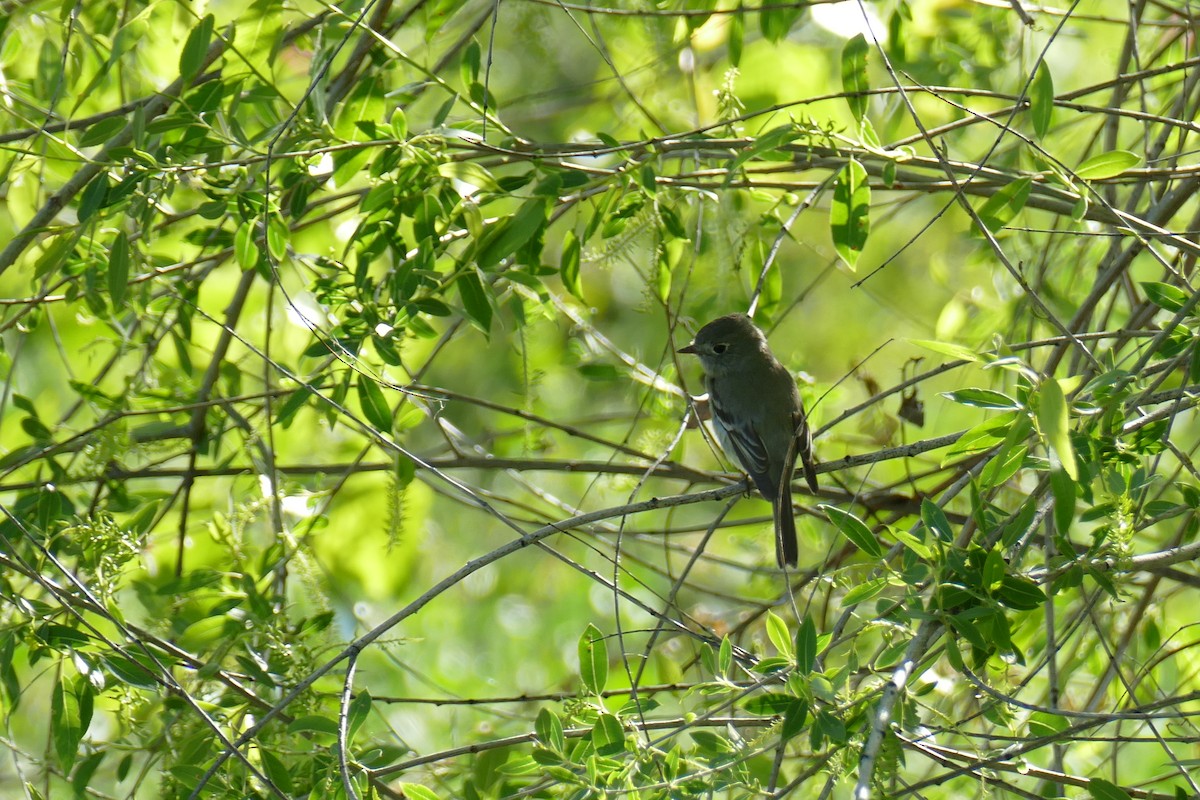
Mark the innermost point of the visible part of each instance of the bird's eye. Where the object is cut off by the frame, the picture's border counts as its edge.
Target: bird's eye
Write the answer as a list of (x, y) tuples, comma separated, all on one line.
[(720, 348)]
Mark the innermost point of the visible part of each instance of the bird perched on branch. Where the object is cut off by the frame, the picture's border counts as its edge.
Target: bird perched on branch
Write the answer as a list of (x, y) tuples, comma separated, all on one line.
[(758, 416)]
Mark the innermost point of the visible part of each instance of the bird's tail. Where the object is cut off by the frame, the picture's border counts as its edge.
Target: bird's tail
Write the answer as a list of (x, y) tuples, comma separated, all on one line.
[(787, 551)]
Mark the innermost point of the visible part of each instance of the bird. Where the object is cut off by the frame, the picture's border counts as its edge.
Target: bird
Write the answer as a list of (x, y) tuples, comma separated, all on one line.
[(758, 416)]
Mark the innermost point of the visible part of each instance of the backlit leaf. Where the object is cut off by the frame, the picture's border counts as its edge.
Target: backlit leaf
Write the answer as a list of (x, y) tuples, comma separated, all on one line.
[(1107, 165), (854, 75), (999, 209), (1053, 420), (849, 217), (374, 404), (1041, 100)]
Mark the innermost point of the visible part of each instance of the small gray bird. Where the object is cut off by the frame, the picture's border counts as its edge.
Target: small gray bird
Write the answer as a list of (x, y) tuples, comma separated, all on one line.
[(758, 416)]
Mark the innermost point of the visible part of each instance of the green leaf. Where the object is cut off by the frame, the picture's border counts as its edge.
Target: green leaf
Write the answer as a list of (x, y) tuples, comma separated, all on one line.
[(471, 62), (1041, 100), (191, 58), (1004, 465), (129, 671), (768, 704), (769, 142), (662, 276), (806, 645), (854, 529), (277, 237), (276, 770), (775, 21), (777, 632), (313, 723), (1020, 594), (9, 681), (63, 636), (608, 736), (470, 173), (475, 298), (593, 660), (118, 270), (737, 36), (1052, 419), (955, 351), (70, 715), (935, 520), (982, 398), (1043, 723), (999, 209), (102, 131), (1165, 296), (506, 236), (794, 719), (549, 729), (1107, 165), (415, 791), (374, 405), (993, 570), (360, 707), (569, 264), (1063, 488), (864, 591), (849, 217), (725, 656), (92, 198), (911, 542), (854, 75), (245, 250)]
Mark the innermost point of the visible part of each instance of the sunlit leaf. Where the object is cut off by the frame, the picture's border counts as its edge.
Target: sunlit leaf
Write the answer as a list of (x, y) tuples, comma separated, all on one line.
[(608, 736), (737, 35), (999, 209), (593, 660), (277, 237), (864, 591), (854, 75), (957, 352), (415, 791), (1107, 165), (549, 729), (1053, 421), (777, 632), (569, 264), (470, 173), (849, 216), (982, 398), (1165, 296)]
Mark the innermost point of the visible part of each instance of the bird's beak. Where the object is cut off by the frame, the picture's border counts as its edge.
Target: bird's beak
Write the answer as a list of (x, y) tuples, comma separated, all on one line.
[(690, 349)]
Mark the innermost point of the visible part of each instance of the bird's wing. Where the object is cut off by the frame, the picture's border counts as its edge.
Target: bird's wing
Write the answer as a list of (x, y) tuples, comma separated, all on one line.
[(740, 437)]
